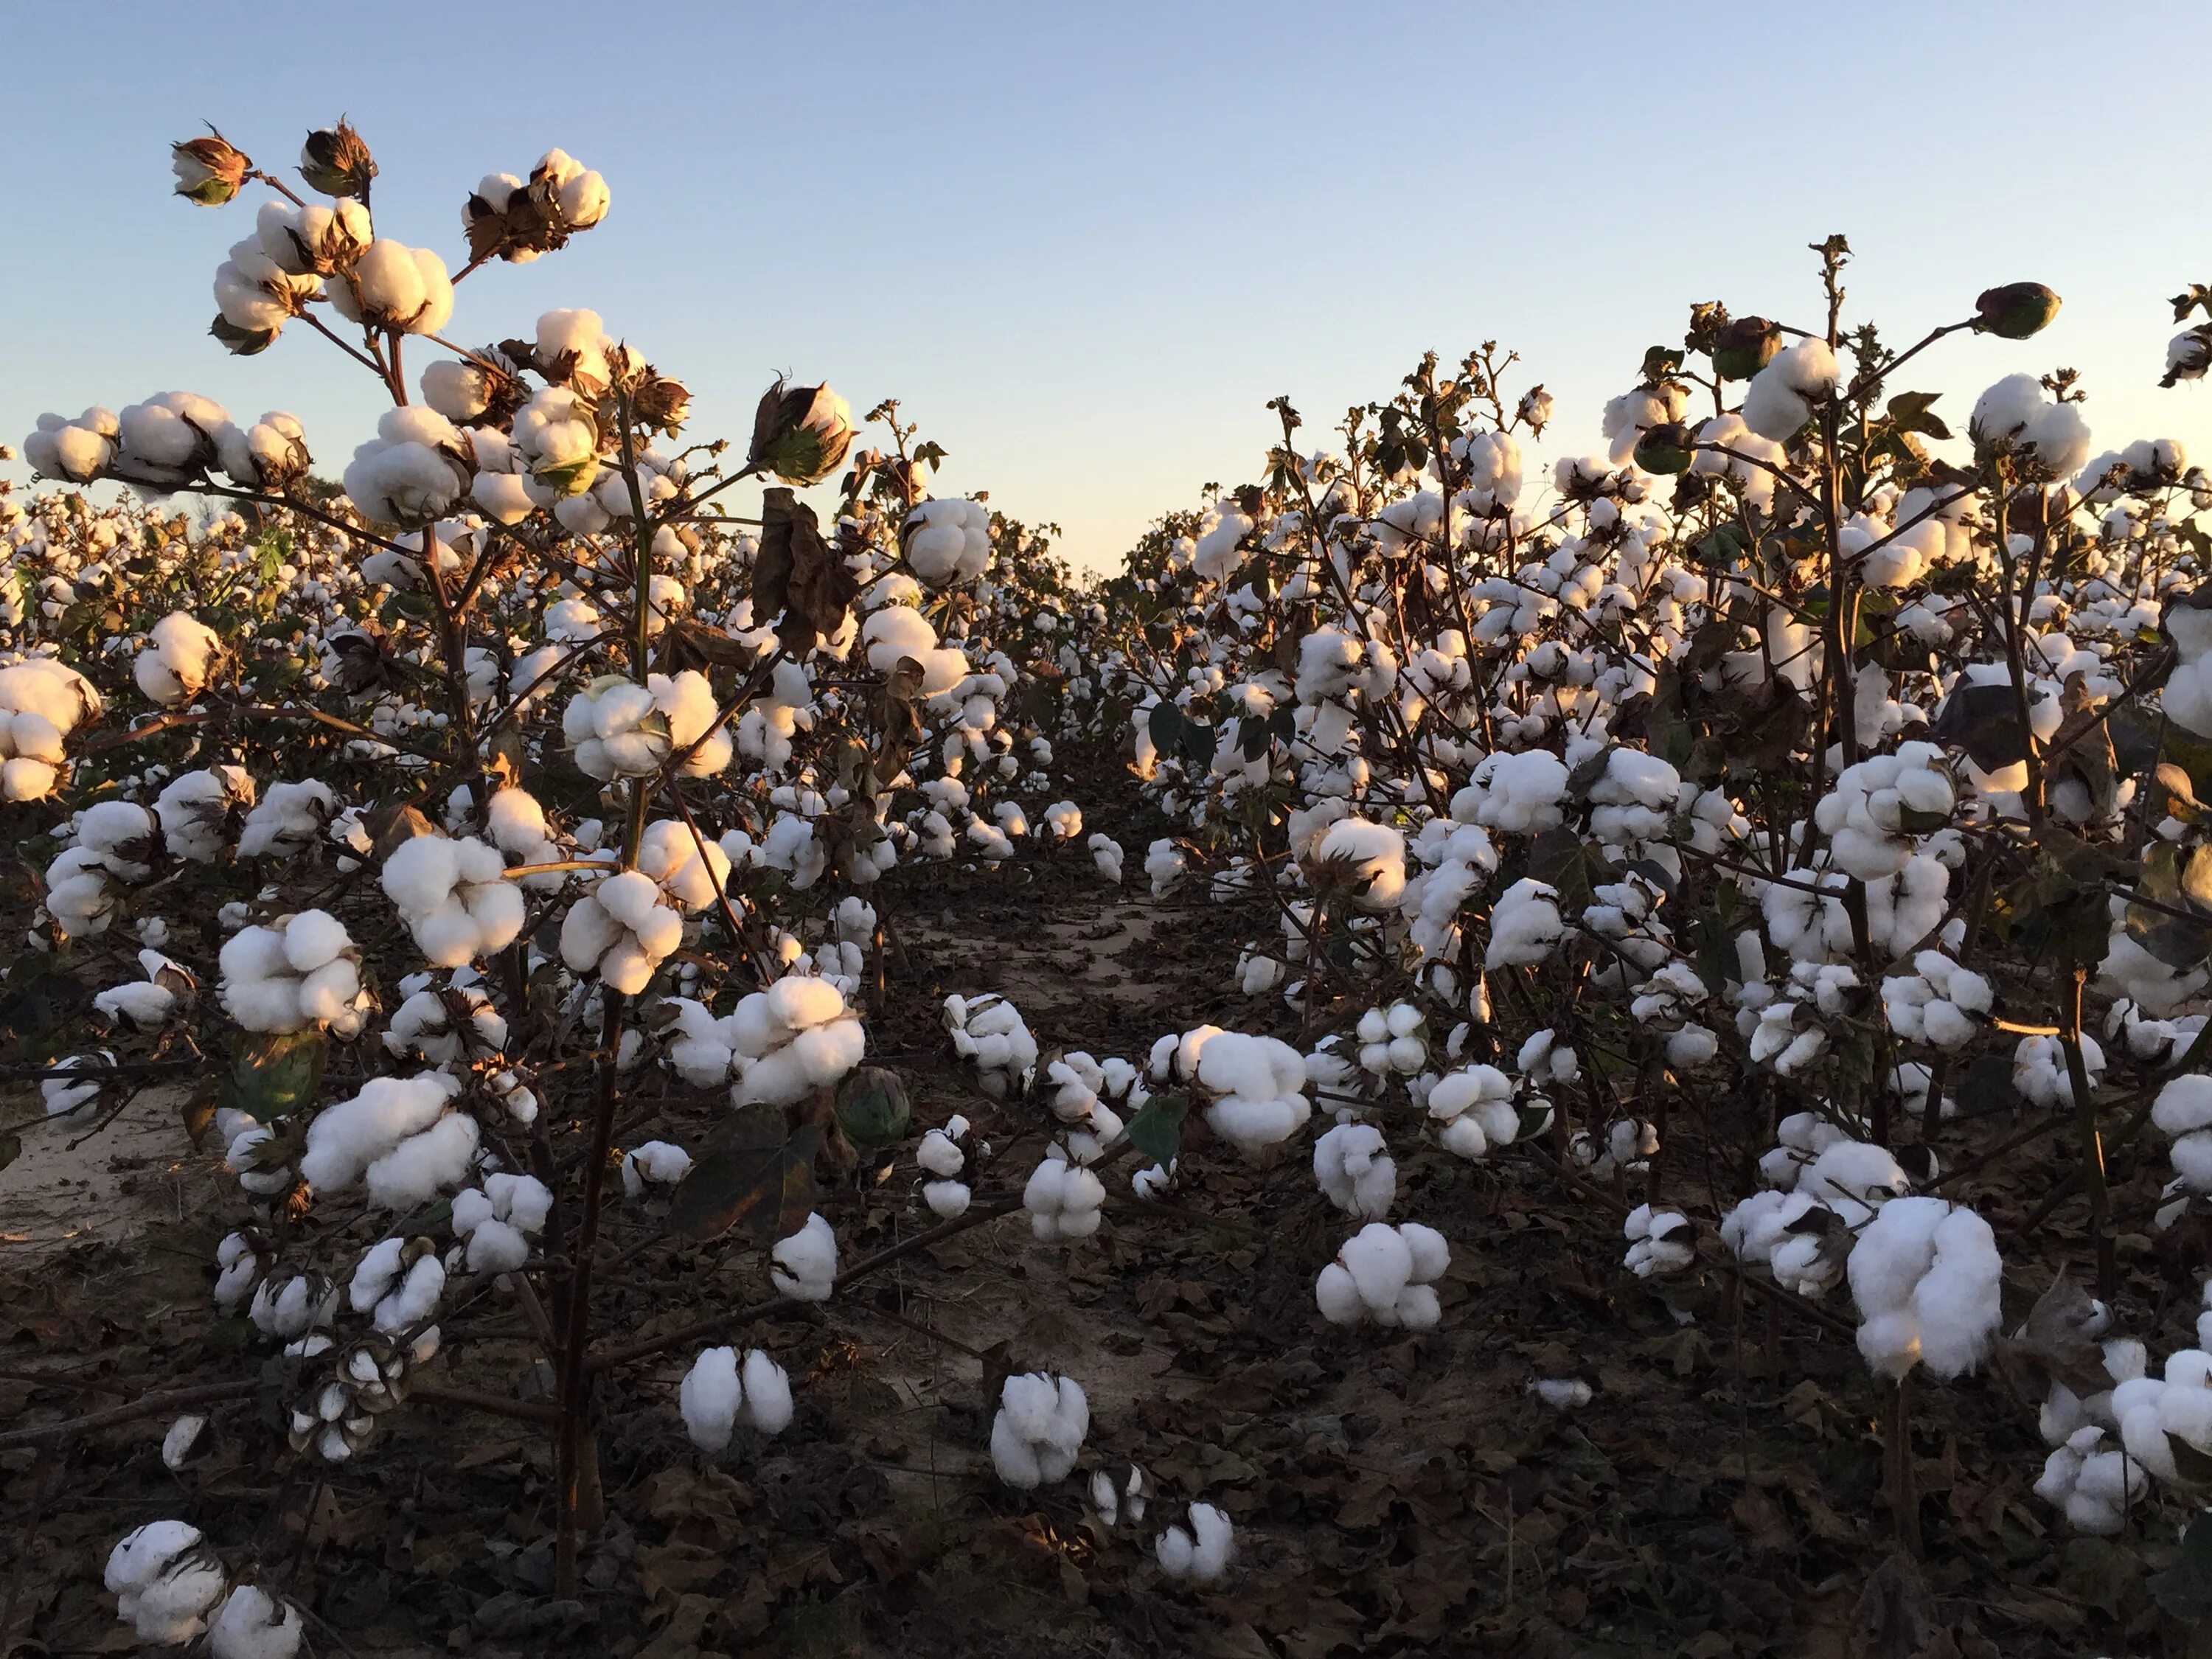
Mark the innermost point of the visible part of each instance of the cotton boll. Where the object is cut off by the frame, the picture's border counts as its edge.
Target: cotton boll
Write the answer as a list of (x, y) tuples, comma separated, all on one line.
[(174, 665), (1561, 1393), (1355, 1170), (1369, 857), (1925, 1275), (710, 1397), (1039, 1431), (1660, 1241), (1201, 1550), (804, 1265), (1780, 397), (948, 543), (253, 1626), (656, 1164), (1064, 1200), (164, 1581), (1384, 1273)]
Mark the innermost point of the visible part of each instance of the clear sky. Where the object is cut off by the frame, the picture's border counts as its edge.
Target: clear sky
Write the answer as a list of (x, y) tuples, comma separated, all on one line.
[(1085, 243)]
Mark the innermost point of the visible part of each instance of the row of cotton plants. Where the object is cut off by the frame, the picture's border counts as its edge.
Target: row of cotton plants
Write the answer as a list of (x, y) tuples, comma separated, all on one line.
[(1794, 748), (514, 810)]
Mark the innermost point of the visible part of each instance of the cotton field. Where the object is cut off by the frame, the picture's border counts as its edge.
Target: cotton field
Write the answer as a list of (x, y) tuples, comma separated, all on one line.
[(1528, 1026)]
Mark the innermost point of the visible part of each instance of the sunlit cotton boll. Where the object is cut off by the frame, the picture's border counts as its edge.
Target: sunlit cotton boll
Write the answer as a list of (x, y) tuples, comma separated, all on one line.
[(393, 286), (454, 896)]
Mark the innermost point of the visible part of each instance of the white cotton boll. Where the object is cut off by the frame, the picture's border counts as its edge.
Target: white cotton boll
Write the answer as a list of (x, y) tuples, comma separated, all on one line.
[(804, 1265), (344, 1139), (183, 1436), (710, 1397), (1925, 1275), (392, 286), (174, 665), (1199, 1551), (767, 1404), (423, 1165), (1660, 1241), (1780, 397), (1372, 857), (1355, 1171), (1039, 1431), (164, 1581), (1525, 926), (1561, 1393), (656, 1164), (253, 1626)]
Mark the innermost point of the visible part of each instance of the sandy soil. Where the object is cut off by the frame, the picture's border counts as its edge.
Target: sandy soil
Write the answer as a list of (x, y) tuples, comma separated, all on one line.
[(70, 1186)]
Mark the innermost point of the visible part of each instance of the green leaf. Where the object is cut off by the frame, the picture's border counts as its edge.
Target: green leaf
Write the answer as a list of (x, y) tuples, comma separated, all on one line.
[(754, 1173), (2192, 1465), (1984, 721), (274, 1074), (11, 1148), (2184, 1590), (1165, 724), (1198, 742), (873, 1108), (1157, 1129)]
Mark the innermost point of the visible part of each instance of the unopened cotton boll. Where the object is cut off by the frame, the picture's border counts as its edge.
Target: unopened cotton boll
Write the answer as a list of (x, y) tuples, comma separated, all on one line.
[(1039, 1430), (804, 1266), (1199, 1550)]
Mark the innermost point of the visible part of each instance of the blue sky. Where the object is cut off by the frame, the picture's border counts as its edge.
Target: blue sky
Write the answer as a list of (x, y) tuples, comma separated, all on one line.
[(1085, 244)]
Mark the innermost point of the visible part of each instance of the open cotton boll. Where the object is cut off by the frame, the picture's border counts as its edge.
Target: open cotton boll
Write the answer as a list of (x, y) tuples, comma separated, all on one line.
[(989, 1030), (794, 1037), (694, 870), (1659, 1241), (183, 1436), (1474, 1107), (165, 1581), (254, 1626), (804, 1266), (393, 286), (2093, 1484), (344, 1139), (1369, 857), (1258, 1084), (1925, 1275), (304, 972), (656, 1164), (622, 930), (1064, 1200), (1384, 1273), (195, 809), (1525, 926), (710, 1396), (288, 820), (1355, 1171), (1039, 1430), (1106, 855), (1779, 399), (1201, 1549), (948, 542), (173, 666), (454, 895)]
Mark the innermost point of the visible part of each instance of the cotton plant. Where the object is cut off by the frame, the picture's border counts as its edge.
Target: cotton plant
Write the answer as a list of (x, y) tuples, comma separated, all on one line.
[(944, 1160), (988, 1031)]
